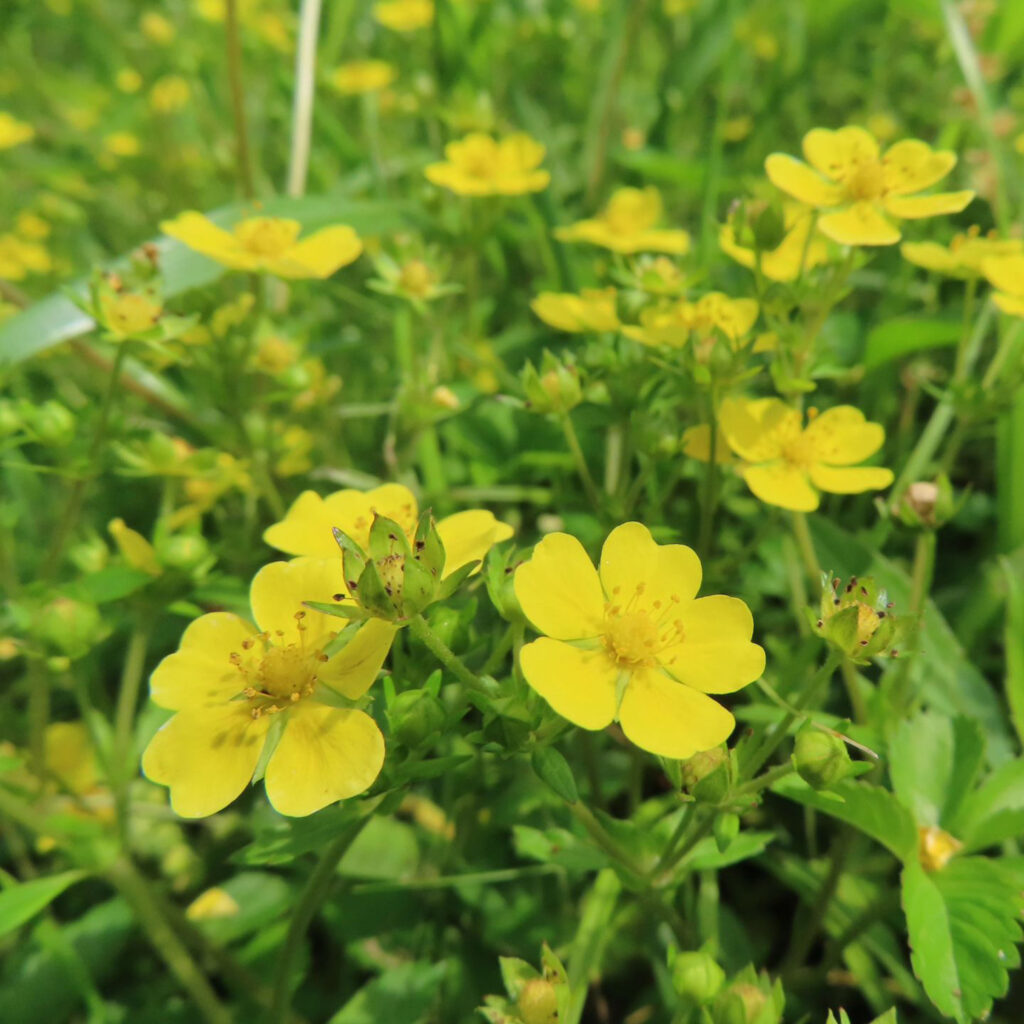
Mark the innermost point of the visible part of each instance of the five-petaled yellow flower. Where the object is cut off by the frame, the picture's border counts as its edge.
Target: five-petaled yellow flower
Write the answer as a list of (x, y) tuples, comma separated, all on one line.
[(671, 325), (14, 132), (787, 463), (404, 15), (268, 245), (632, 642), (480, 165), (359, 76), (592, 310), (798, 249), (965, 255), (861, 187), (628, 225), (231, 682), (1007, 274)]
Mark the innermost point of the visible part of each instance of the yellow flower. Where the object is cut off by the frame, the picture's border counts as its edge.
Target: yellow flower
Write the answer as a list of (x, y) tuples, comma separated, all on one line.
[(230, 682), (671, 325), (19, 258), (479, 165), (632, 643), (404, 15), (127, 314), (268, 245), (169, 94), (696, 443), (128, 80), (134, 548), (861, 187), (358, 76), (964, 256), (212, 904), (1007, 274), (32, 226), (784, 261), (307, 528), (122, 144), (936, 848), (14, 132), (627, 225), (592, 310), (787, 461), (156, 28)]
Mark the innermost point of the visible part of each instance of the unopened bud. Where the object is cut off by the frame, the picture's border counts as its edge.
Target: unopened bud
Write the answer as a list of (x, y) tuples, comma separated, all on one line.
[(51, 422), (696, 976), (706, 775), (183, 551), (416, 716), (538, 1002), (820, 757)]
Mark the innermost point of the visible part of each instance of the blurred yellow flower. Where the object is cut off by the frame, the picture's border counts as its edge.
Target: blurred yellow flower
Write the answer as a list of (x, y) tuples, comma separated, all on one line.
[(404, 15), (627, 225), (121, 144), (359, 76), (882, 125), (169, 94), (292, 446), (14, 132), (1007, 274), (479, 165), (156, 28), (19, 258), (696, 443), (212, 904), (787, 463), (671, 325), (799, 247), (863, 188), (128, 314), (128, 80), (592, 310), (134, 548), (935, 847), (965, 254), (230, 681), (308, 526), (268, 245), (32, 226), (738, 128), (632, 643)]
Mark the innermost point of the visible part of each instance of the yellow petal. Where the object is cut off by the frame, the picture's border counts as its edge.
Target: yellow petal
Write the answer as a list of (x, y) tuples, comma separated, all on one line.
[(305, 529), (200, 673), (782, 484), (200, 233), (353, 511), (716, 655), (277, 594), (594, 232), (353, 670), (326, 754), (1006, 273), (1012, 304), (841, 436), (559, 590), (468, 536), (668, 718), (843, 480), (696, 443), (633, 563), (912, 165), (839, 154), (801, 182), (69, 756), (676, 242), (578, 684), (134, 548), (520, 152), (757, 429), (859, 224), (559, 310), (319, 255), (931, 256), (916, 207), (207, 756)]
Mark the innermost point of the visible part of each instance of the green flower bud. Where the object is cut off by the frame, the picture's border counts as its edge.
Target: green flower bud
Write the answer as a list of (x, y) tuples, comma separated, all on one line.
[(726, 828), (742, 1004), (820, 757), (538, 1002), (52, 423), (555, 388), (707, 776), (184, 551), (415, 717), (697, 977), (90, 555), (857, 620), (71, 626), (927, 504)]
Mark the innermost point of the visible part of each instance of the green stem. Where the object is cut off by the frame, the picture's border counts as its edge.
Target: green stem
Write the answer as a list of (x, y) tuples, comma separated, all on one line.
[(302, 105), (166, 943), (709, 493), (234, 48), (573, 441), (312, 898), (606, 842), (805, 545), (420, 629), (701, 828), (124, 714)]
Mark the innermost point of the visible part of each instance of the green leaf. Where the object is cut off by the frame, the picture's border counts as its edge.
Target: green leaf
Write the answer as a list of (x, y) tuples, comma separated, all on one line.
[(1014, 646), (386, 849), (963, 927), (899, 337), (110, 583), (404, 993), (21, 902), (706, 855), (552, 768), (57, 318), (994, 811), (261, 898), (870, 809), (289, 838)]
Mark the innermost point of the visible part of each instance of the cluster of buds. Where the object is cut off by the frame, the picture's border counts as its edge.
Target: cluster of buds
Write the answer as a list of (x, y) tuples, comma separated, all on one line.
[(397, 577), (749, 998), (533, 997), (555, 388), (857, 619)]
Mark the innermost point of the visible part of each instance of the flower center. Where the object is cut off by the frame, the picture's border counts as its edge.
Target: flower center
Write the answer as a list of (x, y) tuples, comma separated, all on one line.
[(278, 676), (798, 451), (636, 634), (416, 279), (866, 182), (131, 313), (266, 236)]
